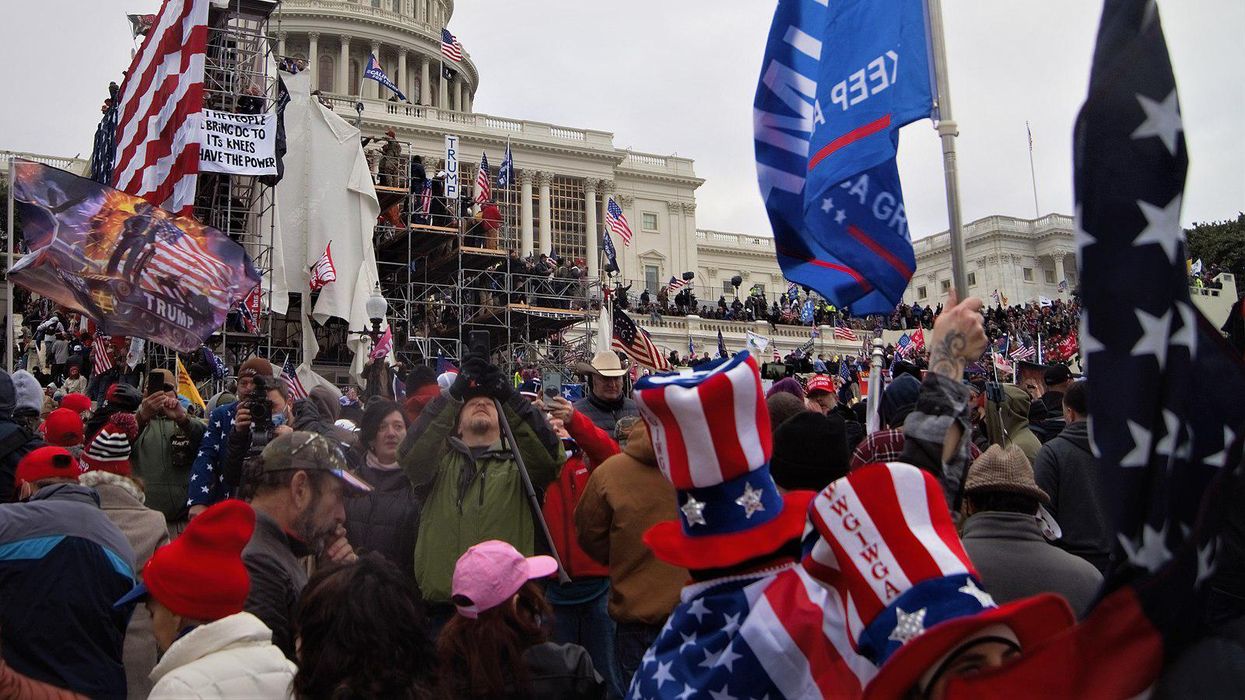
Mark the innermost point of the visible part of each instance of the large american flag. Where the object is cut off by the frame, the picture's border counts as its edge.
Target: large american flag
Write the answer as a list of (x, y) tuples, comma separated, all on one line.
[(1164, 389), (450, 48), (675, 284), (845, 333), (158, 108), (484, 186), (635, 341), (179, 261), (616, 222)]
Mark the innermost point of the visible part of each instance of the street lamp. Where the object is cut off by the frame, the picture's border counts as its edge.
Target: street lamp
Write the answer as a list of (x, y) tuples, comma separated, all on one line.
[(376, 307)]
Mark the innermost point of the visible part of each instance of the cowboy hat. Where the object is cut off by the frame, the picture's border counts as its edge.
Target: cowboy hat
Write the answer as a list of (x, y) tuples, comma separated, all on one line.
[(604, 364)]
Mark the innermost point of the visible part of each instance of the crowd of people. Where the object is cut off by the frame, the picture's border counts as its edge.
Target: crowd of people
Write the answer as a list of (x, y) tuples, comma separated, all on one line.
[(475, 538)]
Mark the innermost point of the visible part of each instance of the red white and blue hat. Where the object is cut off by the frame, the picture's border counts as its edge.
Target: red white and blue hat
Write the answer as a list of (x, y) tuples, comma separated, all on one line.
[(711, 432), (888, 546)]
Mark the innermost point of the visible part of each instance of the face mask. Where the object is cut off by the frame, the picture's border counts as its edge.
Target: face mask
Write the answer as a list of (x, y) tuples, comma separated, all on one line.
[(278, 419)]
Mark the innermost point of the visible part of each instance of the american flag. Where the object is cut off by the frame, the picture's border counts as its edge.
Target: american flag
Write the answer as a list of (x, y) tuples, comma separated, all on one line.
[(845, 370), (1164, 390), (635, 341), (293, 385), (1022, 351), (101, 359), (484, 186), (425, 199), (249, 309), (845, 333), (616, 222), (675, 284), (901, 345), (158, 107), (450, 48), (323, 271), (179, 261)]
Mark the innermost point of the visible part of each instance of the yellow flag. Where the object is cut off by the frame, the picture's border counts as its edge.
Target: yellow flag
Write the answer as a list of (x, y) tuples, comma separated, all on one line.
[(186, 387)]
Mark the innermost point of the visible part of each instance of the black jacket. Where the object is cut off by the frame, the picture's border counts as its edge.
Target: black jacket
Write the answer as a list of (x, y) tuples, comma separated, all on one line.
[(387, 519), (558, 672), (606, 414), (277, 579), (1068, 472)]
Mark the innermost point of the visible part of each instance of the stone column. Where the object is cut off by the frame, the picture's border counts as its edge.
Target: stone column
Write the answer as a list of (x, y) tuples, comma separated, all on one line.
[(313, 58), (590, 223), (371, 88), (443, 92), (425, 88), (402, 84), (687, 246), (343, 68), (458, 95), (543, 178), (467, 97), (1059, 271), (525, 212), (280, 45)]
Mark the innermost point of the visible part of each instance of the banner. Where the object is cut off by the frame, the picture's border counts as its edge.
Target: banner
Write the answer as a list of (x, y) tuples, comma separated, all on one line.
[(451, 170), (238, 144), (133, 268)]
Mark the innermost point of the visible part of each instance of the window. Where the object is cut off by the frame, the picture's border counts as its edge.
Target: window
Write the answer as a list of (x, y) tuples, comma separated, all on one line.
[(728, 289), (946, 286), (921, 293), (567, 216), (328, 73), (1028, 274), (651, 275), (1050, 276), (649, 221), (972, 279)]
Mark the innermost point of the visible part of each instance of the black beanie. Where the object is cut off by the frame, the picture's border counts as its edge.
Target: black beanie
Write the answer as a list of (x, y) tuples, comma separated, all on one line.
[(810, 451), (898, 400)]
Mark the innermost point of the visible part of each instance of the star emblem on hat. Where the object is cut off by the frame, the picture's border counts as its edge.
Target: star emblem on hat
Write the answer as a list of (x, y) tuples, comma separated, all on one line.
[(694, 511), (909, 626), (982, 597), (750, 501)]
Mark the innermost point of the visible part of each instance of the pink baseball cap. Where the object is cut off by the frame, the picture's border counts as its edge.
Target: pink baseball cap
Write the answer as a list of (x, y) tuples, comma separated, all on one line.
[(489, 573)]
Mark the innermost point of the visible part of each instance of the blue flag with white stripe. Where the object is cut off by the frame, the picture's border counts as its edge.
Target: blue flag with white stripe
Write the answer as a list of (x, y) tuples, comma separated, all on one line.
[(835, 86), (375, 72)]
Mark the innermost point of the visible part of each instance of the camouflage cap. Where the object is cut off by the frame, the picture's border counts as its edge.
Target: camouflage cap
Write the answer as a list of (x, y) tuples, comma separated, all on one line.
[(310, 452)]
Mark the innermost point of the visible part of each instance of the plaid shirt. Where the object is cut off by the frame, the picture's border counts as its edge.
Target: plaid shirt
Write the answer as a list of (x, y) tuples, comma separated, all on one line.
[(886, 446)]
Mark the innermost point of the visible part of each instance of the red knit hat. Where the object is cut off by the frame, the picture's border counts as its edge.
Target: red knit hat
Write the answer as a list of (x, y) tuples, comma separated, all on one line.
[(78, 403), (63, 428), (47, 463), (200, 575), (109, 450)]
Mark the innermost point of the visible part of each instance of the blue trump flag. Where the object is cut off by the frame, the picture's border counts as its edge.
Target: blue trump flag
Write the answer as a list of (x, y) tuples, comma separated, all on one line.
[(375, 72), (611, 254), (836, 85)]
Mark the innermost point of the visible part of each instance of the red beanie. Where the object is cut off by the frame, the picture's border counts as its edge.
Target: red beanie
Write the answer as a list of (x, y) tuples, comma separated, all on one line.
[(47, 463), (63, 428), (200, 575), (78, 403), (109, 450)]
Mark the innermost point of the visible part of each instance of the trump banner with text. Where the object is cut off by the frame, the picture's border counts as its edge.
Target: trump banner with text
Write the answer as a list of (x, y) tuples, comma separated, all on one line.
[(836, 84), (133, 268)]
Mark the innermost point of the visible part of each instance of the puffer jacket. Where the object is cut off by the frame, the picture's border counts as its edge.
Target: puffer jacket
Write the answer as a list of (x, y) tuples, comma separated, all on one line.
[(232, 657), (625, 496), (593, 446), (473, 499), (385, 520)]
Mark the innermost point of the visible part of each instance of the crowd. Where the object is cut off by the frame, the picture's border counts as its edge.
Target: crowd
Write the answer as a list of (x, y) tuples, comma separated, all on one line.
[(478, 539)]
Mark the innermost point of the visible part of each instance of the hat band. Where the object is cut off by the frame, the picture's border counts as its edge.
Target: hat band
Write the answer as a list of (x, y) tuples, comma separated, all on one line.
[(739, 504), (921, 607)]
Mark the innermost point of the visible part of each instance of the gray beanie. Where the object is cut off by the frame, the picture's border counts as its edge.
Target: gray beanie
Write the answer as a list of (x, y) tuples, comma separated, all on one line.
[(29, 393)]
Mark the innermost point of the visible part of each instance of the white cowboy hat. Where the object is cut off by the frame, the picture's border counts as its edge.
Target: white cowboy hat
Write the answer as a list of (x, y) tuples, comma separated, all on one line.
[(604, 364)]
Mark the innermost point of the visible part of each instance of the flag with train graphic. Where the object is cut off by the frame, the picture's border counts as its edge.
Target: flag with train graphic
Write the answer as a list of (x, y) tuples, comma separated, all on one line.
[(132, 267)]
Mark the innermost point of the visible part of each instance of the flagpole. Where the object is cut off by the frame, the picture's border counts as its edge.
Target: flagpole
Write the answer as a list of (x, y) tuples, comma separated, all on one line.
[(947, 131), (8, 280), (1041, 357), (1032, 174)]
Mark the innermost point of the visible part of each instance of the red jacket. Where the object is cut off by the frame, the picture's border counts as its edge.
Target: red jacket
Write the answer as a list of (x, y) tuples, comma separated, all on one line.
[(595, 446)]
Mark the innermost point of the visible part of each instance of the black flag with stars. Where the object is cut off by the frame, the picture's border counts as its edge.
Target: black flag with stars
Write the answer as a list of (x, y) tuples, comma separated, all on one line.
[(1165, 393)]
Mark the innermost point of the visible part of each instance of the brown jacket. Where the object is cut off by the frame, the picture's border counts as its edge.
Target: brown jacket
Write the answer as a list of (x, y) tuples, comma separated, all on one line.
[(626, 495)]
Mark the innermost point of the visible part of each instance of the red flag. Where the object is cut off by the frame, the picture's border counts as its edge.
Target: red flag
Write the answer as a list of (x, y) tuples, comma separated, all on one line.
[(323, 271), (918, 340)]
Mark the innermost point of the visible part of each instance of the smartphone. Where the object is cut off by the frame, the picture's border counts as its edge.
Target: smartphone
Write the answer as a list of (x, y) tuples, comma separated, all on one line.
[(551, 382), (479, 343)]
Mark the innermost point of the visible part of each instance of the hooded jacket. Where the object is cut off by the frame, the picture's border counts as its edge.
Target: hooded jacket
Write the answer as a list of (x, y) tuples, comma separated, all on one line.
[(625, 496), (16, 440), (473, 497), (232, 657), (1068, 472), (1012, 428)]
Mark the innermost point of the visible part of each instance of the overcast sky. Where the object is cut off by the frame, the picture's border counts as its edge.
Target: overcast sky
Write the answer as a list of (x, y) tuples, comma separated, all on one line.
[(679, 76)]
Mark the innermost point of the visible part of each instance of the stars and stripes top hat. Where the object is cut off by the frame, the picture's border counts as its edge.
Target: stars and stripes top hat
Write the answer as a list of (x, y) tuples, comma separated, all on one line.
[(711, 432), (886, 543)]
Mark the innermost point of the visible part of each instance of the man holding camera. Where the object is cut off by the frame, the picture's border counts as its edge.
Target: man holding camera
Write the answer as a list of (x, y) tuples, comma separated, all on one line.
[(165, 447), (457, 454), (207, 476)]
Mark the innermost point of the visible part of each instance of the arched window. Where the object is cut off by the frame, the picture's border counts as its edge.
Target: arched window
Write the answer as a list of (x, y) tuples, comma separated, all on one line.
[(327, 73)]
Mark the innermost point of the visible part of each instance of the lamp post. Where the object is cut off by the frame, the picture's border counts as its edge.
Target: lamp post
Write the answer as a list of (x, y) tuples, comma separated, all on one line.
[(376, 307)]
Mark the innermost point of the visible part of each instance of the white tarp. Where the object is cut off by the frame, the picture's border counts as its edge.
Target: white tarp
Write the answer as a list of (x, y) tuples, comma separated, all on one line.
[(326, 195)]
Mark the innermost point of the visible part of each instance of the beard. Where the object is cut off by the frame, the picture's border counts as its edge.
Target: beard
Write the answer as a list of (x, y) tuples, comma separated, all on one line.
[(316, 537), (479, 424)]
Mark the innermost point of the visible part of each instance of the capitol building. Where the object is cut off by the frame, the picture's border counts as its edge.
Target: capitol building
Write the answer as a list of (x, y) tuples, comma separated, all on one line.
[(565, 175)]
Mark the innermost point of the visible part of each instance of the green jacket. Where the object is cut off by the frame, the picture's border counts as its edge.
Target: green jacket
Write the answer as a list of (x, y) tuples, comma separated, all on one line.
[(472, 500), (166, 475)]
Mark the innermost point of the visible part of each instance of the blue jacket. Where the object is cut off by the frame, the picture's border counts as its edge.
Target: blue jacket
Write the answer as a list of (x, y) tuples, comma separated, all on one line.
[(63, 564), (207, 479)]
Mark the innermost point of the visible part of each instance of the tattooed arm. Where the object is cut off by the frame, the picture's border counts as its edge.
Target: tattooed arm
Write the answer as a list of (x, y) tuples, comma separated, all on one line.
[(958, 337)]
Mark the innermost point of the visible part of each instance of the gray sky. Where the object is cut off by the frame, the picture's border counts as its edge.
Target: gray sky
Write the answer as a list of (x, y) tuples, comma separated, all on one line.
[(679, 77)]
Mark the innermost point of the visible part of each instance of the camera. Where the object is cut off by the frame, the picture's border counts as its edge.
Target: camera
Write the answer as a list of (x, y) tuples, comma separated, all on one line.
[(260, 406)]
